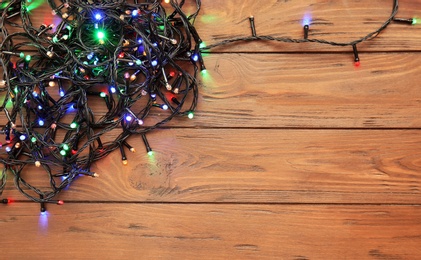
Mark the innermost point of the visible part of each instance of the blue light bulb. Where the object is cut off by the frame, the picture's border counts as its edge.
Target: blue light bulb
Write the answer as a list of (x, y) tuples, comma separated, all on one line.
[(112, 89), (40, 122), (195, 57), (98, 16), (129, 118), (154, 63)]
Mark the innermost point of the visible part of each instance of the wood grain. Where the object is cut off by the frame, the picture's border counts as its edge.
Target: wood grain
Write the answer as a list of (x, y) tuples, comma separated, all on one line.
[(127, 231), (247, 166), (293, 153), (310, 91)]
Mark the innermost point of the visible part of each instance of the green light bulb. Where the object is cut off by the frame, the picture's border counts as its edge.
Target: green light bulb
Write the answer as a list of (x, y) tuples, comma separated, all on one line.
[(63, 152), (73, 125), (415, 21), (33, 139), (102, 94), (190, 115), (65, 147), (21, 55), (28, 58), (100, 35), (150, 153)]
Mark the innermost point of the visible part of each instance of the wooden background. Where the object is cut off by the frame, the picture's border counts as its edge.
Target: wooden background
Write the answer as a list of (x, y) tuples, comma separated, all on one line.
[(293, 153)]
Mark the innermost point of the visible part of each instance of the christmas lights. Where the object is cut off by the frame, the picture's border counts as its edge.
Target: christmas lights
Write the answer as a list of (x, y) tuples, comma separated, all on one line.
[(121, 52), (306, 22), (124, 53)]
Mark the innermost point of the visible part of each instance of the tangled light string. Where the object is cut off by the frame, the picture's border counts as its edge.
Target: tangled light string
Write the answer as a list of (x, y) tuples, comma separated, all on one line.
[(140, 60)]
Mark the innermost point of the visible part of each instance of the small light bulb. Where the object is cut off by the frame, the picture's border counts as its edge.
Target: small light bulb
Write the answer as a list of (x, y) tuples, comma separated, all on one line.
[(129, 118), (195, 57), (98, 16), (124, 162), (135, 13), (154, 63), (190, 115), (37, 163), (100, 35), (112, 89), (164, 107), (73, 125), (40, 122), (102, 94), (22, 137), (63, 152), (51, 84)]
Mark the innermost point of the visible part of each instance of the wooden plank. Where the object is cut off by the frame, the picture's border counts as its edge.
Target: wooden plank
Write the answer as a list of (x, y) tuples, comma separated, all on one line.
[(249, 166), (304, 91), (245, 90), (340, 21), (132, 231), (331, 20)]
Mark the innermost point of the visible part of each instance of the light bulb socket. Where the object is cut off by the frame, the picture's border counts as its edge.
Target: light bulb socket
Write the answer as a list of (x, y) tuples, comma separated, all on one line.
[(306, 29), (252, 26), (356, 57)]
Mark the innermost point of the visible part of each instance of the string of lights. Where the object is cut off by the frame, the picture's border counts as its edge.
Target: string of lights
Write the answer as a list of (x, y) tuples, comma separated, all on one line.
[(138, 60), (306, 27), (141, 61)]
